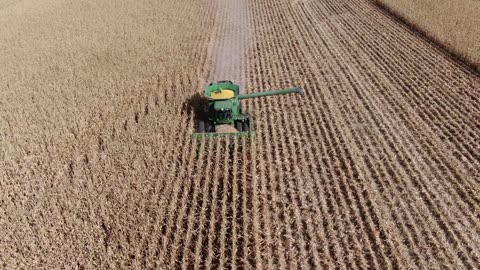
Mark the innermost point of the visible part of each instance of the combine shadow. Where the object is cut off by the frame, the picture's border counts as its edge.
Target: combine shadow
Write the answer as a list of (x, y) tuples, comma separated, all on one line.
[(195, 107)]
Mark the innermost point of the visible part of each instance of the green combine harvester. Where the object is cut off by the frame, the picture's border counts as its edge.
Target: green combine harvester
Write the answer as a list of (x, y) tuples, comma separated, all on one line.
[(223, 115)]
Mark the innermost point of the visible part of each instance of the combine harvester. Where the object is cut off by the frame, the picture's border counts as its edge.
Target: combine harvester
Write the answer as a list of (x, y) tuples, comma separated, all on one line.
[(223, 115)]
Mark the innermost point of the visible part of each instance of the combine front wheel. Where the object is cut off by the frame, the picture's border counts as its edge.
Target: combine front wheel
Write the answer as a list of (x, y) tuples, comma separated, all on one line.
[(246, 127)]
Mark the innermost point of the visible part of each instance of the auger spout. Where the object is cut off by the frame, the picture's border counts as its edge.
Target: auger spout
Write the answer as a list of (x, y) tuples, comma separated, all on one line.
[(273, 92)]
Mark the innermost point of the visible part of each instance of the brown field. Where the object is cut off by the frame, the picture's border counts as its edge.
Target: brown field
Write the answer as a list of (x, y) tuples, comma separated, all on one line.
[(378, 166), (454, 24)]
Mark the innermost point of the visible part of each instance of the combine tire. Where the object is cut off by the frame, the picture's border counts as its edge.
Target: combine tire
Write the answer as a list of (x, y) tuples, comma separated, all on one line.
[(201, 126), (239, 126), (209, 127), (246, 127)]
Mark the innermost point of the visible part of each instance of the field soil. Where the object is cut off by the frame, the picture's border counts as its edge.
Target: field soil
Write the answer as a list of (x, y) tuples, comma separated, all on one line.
[(377, 166)]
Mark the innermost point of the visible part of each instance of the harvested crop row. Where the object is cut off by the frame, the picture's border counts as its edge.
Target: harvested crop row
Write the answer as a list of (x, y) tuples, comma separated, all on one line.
[(381, 157)]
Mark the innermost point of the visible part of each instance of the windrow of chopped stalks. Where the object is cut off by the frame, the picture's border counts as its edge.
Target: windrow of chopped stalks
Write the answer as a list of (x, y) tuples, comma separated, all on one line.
[(376, 167)]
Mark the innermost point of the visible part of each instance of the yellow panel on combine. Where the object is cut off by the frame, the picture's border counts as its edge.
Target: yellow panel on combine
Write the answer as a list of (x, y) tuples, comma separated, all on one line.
[(222, 94)]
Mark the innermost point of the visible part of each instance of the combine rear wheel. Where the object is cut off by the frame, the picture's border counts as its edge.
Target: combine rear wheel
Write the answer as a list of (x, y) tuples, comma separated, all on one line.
[(239, 126), (209, 127), (246, 127)]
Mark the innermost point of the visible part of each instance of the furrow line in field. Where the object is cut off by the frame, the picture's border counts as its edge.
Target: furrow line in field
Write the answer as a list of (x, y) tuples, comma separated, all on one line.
[(353, 196), (428, 199), (449, 73), (201, 223), (337, 194), (235, 204), (425, 80), (372, 230), (309, 202), (185, 210), (385, 79), (226, 211), (270, 196), (266, 245), (196, 205), (278, 203), (291, 191), (327, 118), (366, 166), (180, 194), (314, 172), (247, 250), (288, 191), (352, 85), (251, 209), (471, 204), (295, 140), (331, 240), (211, 260), (343, 191), (372, 114), (176, 218), (162, 188), (172, 196), (363, 260), (444, 120)]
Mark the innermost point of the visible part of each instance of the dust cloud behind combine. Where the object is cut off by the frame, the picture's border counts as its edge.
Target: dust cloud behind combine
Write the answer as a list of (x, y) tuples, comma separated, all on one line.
[(234, 36)]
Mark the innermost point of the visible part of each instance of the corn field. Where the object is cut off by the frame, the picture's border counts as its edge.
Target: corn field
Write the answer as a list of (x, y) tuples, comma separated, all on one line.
[(378, 166)]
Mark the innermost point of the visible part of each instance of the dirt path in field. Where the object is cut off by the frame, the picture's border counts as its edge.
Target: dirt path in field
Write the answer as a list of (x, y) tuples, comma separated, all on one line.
[(234, 36)]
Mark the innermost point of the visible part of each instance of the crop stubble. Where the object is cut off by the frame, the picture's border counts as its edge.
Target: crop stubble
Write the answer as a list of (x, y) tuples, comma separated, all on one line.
[(387, 141), (377, 166)]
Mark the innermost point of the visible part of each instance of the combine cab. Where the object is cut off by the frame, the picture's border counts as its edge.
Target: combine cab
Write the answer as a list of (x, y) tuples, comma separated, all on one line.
[(224, 116)]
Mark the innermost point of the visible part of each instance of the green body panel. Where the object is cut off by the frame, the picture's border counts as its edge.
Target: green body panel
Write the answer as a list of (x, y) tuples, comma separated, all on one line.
[(228, 111)]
